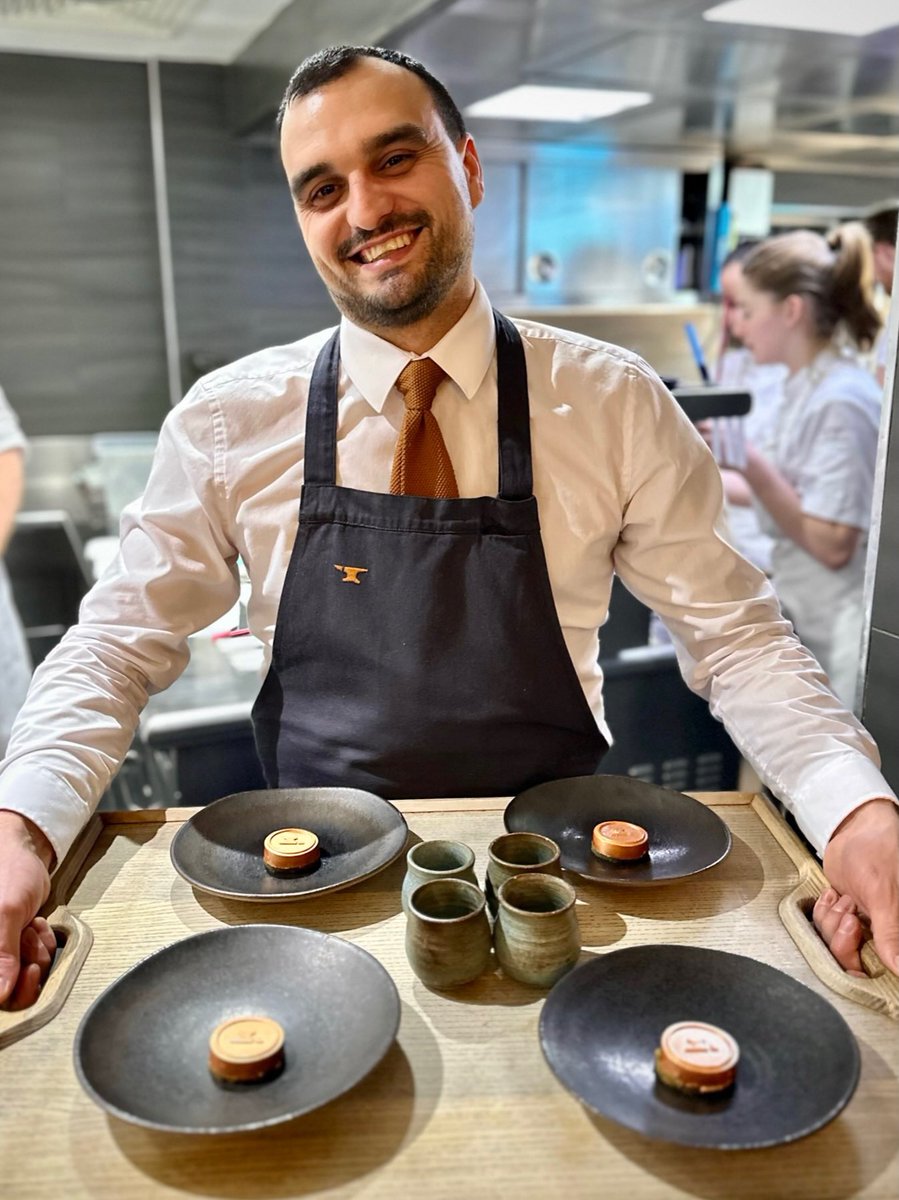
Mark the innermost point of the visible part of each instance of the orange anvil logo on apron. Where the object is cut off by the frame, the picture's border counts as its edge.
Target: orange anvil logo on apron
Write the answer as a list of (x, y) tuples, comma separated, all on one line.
[(350, 574)]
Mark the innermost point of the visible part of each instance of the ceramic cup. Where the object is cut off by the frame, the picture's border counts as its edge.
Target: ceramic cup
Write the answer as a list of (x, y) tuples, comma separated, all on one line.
[(517, 854), (438, 859), (536, 936), (447, 932)]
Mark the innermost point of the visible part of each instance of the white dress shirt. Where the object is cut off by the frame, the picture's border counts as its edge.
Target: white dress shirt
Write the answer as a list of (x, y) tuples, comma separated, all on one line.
[(623, 483)]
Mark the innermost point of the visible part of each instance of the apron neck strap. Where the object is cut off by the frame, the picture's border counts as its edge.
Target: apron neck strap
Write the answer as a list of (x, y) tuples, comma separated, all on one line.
[(513, 424), (513, 428), (321, 415)]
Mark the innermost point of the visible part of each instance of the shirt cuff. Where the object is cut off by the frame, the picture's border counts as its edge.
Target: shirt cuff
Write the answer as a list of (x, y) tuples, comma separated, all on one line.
[(48, 801), (829, 794)]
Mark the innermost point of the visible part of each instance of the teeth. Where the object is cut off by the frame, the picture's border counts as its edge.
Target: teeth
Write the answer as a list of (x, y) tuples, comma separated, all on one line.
[(375, 252)]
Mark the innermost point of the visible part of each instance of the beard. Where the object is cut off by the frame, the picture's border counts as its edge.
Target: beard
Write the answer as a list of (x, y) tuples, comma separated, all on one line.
[(403, 297)]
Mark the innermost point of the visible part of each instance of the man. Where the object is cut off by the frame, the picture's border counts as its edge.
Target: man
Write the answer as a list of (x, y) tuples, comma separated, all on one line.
[(880, 223), (428, 636)]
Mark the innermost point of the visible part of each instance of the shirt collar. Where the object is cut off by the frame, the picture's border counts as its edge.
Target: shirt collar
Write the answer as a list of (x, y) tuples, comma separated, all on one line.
[(465, 352)]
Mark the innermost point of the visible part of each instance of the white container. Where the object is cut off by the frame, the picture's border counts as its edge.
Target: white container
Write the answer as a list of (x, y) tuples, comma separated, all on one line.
[(123, 463)]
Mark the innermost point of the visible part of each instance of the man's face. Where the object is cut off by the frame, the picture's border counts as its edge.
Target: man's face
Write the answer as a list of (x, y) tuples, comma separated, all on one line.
[(383, 197)]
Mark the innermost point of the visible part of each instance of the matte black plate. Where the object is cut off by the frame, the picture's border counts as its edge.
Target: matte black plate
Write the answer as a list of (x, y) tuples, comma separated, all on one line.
[(685, 836), (142, 1047), (799, 1062), (219, 850)]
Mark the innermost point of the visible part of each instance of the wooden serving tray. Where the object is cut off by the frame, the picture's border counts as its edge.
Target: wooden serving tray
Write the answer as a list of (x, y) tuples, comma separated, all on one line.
[(464, 1104)]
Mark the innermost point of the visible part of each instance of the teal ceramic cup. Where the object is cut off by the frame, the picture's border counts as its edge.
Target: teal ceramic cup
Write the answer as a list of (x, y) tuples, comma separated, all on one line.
[(447, 933), (517, 854), (536, 936), (437, 859)]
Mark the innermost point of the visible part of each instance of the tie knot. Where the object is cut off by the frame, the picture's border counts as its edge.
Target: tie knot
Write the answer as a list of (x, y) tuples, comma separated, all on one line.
[(418, 382)]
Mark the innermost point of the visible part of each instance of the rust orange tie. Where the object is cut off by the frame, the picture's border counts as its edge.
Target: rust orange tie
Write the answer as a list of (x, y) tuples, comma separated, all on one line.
[(421, 462)]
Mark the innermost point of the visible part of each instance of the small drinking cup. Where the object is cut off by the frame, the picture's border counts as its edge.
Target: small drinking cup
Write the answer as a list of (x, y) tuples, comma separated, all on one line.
[(518, 854), (536, 935), (447, 933), (438, 859)]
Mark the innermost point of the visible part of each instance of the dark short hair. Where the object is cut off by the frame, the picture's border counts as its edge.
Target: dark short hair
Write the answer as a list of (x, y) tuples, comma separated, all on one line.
[(881, 220), (333, 62)]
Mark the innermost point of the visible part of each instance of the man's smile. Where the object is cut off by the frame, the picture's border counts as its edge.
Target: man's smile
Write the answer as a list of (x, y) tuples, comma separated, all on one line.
[(396, 241)]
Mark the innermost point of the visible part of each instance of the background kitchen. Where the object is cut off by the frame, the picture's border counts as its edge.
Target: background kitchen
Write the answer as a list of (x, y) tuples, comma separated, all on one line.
[(147, 236)]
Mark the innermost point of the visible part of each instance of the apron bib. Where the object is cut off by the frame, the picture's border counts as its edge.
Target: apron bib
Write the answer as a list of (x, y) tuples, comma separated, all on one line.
[(417, 651)]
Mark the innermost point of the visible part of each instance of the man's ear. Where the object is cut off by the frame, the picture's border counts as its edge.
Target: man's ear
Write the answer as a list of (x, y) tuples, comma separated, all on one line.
[(471, 165)]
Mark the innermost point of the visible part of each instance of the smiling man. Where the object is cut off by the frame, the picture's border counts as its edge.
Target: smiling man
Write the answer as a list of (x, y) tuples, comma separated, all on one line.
[(431, 501)]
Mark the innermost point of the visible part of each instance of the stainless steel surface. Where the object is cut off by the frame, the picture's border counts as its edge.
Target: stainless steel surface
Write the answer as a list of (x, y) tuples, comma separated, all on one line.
[(796, 97), (56, 478), (141, 1049)]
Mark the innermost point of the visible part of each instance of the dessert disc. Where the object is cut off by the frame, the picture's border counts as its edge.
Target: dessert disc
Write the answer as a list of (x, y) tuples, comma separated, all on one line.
[(601, 1025)]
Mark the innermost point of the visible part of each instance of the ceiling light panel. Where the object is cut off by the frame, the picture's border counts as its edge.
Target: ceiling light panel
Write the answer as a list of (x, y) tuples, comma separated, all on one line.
[(531, 102), (854, 18)]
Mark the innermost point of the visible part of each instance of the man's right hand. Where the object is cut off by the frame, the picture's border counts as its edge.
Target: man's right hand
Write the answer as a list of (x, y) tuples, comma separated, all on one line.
[(26, 941)]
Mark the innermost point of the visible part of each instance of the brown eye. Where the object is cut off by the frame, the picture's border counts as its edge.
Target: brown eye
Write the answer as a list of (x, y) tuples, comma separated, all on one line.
[(397, 159)]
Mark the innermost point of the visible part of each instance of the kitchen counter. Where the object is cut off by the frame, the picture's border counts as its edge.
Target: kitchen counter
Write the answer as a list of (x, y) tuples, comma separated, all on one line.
[(464, 1103)]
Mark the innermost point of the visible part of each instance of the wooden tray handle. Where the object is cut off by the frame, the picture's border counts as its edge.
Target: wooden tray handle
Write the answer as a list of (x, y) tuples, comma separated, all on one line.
[(77, 938), (879, 991)]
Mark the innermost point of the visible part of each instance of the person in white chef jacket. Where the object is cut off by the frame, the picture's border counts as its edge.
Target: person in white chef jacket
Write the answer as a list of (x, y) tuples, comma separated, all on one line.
[(806, 301), (738, 369), (15, 663)]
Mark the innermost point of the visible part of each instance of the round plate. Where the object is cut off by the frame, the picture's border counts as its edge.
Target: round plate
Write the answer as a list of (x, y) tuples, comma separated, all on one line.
[(685, 837), (219, 850), (142, 1047), (799, 1062)]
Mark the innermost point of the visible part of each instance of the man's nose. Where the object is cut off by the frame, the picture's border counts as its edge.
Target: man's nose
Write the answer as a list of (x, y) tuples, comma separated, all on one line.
[(368, 203)]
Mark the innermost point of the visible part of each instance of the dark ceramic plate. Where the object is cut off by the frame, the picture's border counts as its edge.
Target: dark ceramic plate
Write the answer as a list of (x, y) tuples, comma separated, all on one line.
[(219, 850), (798, 1067), (142, 1047), (685, 837)]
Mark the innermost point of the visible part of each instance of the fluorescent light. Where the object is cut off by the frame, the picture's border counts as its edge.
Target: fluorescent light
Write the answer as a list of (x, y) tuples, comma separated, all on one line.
[(533, 103), (856, 18)]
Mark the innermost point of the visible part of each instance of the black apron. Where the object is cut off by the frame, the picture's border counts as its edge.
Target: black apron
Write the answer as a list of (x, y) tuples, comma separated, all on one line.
[(417, 650)]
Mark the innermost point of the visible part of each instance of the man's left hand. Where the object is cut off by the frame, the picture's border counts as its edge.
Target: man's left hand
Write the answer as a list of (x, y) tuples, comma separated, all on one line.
[(861, 862)]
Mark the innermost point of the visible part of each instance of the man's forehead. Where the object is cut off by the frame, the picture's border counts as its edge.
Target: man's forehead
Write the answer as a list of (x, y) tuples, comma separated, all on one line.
[(371, 92)]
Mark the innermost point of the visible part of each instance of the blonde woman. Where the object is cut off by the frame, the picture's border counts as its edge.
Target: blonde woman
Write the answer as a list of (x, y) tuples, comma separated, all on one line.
[(806, 301)]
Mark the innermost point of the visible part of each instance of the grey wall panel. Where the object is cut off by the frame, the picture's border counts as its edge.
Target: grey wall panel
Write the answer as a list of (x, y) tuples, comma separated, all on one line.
[(81, 342), (243, 279)]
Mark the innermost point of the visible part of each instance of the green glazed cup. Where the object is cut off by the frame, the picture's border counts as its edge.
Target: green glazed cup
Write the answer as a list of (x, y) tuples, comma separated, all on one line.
[(437, 859), (447, 933), (518, 854), (536, 935)]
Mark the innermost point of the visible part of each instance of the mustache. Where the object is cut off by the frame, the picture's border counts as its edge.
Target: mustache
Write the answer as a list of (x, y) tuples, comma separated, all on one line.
[(391, 224)]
